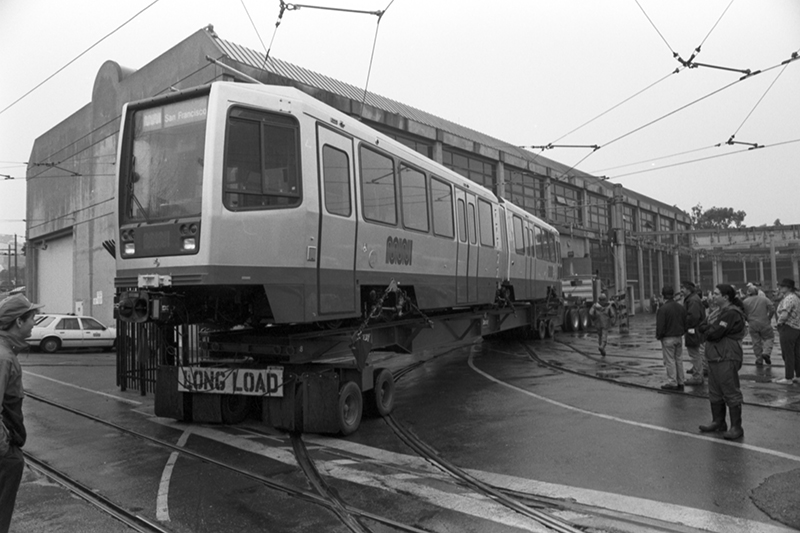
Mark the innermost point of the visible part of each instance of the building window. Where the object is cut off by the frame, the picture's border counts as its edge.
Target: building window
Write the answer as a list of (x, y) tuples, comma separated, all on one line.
[(526, 191), (647, 221), (472, 168), (567, 205), (627, 218), (418, 146), (666, 225), (597, 211)]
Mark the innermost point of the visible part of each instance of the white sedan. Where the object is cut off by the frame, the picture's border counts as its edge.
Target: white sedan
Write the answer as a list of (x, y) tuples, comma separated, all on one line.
[(53, 332)]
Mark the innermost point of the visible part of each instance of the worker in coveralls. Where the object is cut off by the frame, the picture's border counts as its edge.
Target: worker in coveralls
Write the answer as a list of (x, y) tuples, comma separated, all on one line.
[(604, 316), (16, 322)]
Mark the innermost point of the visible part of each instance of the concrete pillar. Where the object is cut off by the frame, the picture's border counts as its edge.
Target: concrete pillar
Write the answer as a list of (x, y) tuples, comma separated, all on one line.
[(660, 263), (773, 261), (640, 265), (715, 277), (696, 277), (676, 263), (617, 229), (795, 270), (744, 269), (500, 179), (761, 277), (653, 290), (438, 151)]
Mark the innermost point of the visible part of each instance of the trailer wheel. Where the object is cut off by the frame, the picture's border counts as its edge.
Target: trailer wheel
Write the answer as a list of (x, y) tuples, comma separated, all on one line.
[(380, 399), (351, 405), (583, 318), (542, 329), (234, 408), (551, 329), (574, 320)]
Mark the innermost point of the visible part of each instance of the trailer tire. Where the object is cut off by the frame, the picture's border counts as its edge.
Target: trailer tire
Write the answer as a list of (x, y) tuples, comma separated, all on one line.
[(234, 408), (351, 406), (583, 319), (551, 329), (541, 329), (380, 400), (574, 320)]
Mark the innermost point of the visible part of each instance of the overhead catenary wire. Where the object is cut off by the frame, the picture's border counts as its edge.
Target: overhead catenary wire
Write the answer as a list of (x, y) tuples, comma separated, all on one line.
[(773, 145), (51, 76)]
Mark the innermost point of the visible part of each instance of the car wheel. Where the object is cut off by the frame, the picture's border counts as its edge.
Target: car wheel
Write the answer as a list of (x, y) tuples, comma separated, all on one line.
[(50, 345)]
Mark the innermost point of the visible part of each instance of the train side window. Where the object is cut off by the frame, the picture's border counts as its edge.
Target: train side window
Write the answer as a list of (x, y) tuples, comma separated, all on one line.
[(336, 176), (473, 230), (414, 198), (442, 203), (531, 249), (486, 222), (262, 163), (551, 246), (539, 238), (377, 187), (462, 223), (519, 238)]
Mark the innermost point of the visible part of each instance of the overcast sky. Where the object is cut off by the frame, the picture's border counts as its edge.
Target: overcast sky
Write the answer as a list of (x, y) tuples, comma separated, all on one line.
[(525, 71)]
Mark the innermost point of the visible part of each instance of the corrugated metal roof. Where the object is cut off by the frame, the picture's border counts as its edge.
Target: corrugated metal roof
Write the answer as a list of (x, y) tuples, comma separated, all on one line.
[(293, 72)]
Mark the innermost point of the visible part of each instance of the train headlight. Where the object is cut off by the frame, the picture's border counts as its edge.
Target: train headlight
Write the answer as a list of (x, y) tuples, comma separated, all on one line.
[(129, 248), (189, 244)]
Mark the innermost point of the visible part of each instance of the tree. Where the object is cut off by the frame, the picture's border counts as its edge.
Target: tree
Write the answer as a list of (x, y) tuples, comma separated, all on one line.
[(717, 218)]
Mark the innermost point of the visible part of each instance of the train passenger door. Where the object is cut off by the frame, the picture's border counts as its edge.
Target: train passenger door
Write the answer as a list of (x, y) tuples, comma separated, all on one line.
[(336, 277), (518, 260), (462, 248), (473, 248)]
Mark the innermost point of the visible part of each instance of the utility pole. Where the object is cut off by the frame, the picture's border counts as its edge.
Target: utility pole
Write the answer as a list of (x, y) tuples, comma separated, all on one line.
[(16, 266)]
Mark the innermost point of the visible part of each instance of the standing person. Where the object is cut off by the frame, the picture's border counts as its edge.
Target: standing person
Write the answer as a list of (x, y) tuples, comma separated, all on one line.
[(16, 323), (789, 331), (693, 339), (603, 315), (759, 310), (670, 321), (724, 331)]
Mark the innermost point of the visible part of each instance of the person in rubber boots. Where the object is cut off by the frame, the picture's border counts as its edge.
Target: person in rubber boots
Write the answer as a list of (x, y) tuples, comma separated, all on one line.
[(603, 316), (724, 330)]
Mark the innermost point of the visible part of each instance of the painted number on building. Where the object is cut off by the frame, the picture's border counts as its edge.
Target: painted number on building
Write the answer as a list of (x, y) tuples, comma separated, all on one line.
[(398, 251), (248, 381)]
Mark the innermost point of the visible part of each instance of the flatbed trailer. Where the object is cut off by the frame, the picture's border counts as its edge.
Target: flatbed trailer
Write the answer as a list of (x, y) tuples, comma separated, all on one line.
[(315, 380)]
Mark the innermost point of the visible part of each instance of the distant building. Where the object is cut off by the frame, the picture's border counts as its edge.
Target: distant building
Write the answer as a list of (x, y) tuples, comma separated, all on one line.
[(69, 269)]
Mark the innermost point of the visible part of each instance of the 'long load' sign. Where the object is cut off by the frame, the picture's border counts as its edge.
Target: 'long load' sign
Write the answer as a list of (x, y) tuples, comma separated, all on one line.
[(249, 381)]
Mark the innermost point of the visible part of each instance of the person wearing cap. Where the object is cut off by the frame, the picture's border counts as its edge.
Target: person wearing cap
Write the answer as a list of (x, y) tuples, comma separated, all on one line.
[(724, 330), (759, 310), (789, 331), (603, 315), (670, 327), (16, 322), (693, 339)]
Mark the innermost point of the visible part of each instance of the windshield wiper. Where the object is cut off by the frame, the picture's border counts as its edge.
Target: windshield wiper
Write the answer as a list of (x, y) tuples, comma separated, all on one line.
[(132, 178)]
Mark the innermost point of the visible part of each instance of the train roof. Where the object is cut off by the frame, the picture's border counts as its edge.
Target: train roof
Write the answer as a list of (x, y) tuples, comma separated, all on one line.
[(364, 132)]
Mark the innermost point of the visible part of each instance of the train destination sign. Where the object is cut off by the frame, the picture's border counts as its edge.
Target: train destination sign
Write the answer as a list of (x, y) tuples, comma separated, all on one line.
[(248, 381)]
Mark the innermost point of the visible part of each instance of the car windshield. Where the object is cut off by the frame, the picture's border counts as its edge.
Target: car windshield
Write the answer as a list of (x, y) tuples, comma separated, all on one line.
[(165, 173)]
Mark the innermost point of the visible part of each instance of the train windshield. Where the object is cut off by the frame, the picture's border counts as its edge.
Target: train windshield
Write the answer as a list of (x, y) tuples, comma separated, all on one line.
[(165, 173)]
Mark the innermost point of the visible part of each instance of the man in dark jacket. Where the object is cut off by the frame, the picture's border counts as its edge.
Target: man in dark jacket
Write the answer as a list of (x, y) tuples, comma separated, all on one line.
[(16, 323), (670, 321), (693, 339)]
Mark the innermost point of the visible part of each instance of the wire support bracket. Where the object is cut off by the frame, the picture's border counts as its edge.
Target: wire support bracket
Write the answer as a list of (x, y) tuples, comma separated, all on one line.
[(731, 142)]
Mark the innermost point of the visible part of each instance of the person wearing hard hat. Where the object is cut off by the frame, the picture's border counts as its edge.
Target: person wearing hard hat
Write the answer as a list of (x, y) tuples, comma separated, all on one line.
[(16, 322)]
